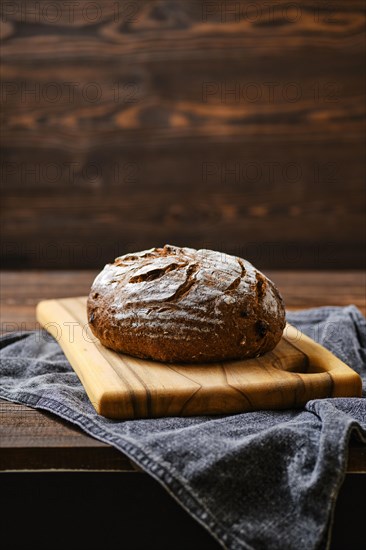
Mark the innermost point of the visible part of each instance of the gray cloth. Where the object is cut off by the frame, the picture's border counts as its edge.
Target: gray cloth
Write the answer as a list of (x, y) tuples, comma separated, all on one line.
[(258, 480)]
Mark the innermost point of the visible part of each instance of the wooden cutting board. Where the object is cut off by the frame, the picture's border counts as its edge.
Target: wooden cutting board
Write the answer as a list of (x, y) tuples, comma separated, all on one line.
[(121, 386)]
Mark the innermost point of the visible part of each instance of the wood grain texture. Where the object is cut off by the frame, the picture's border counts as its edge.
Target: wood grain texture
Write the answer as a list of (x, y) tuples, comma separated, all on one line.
[(125, 387), (34, 440), (174, 121)]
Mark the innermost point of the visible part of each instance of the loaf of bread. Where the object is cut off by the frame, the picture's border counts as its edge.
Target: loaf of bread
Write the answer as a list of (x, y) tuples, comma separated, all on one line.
[(176, 304)]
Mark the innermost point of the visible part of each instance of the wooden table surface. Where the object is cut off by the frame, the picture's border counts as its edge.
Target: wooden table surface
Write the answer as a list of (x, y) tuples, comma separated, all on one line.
[(35, 440)]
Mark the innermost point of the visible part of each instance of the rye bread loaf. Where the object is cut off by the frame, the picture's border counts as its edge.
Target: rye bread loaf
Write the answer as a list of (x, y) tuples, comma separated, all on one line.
[(183, 305)]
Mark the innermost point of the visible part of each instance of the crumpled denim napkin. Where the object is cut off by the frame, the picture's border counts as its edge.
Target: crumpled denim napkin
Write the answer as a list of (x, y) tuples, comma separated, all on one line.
[(258, 480)]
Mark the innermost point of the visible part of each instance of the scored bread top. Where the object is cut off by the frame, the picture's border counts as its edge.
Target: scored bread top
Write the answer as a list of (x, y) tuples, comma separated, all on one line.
[(181, 304)]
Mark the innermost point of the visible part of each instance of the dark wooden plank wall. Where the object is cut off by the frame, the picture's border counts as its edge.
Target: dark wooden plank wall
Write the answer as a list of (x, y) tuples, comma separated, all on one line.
[(231, 125)]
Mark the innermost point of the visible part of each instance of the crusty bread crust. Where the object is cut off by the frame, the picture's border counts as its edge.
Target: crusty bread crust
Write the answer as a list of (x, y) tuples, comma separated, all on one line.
[(176, 304)]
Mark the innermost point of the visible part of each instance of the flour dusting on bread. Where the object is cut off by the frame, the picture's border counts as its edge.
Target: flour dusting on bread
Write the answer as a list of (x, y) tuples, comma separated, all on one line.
[(184, 305)]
